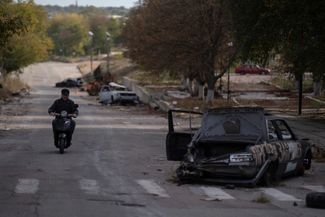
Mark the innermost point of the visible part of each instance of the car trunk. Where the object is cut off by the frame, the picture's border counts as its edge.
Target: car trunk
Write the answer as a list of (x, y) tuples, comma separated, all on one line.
[(209, 149)]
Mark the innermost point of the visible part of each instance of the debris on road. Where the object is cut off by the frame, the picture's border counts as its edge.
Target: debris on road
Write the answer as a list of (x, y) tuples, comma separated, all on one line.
[(315, 200)]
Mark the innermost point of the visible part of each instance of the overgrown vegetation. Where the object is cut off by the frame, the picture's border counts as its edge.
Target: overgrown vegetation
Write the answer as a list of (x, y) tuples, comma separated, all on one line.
[(288, 82), (23, 38), (200, 39), (11, 85), (113, 11), (70, 30), (190, 38), (262, 198)]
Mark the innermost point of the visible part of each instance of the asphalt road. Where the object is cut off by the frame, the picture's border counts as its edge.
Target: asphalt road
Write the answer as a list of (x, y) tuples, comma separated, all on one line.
[(116, 165)]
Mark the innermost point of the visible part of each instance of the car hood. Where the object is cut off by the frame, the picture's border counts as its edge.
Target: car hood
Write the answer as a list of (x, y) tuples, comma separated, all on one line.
[(118, 91)]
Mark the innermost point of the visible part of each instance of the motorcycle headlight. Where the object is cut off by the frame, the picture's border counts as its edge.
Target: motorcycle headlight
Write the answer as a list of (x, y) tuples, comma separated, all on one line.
[(242, 157), (64, 113)]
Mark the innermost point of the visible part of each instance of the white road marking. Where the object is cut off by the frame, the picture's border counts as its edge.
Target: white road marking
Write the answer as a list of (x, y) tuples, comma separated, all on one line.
[(153, 188), (89, 186), (27, 186), (279, 195), (317, 188), (216, 194)]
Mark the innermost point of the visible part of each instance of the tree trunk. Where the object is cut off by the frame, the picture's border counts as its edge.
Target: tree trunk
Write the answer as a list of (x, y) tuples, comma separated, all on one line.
[(190, 86), (195, 88), (210, 96), (184, 83), (201, 91), (297, 85), (300, 94), (317, 88), (211, 81)]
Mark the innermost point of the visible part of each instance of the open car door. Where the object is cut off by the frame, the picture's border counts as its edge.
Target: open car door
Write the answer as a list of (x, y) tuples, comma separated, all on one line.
[(182, 125)]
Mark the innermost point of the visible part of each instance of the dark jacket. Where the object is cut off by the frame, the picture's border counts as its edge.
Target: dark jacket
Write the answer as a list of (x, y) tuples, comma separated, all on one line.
[(60, 105)]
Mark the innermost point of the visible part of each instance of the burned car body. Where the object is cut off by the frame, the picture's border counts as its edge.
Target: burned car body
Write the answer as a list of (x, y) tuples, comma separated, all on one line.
[(239, 146), (70, 82), (115, 93)]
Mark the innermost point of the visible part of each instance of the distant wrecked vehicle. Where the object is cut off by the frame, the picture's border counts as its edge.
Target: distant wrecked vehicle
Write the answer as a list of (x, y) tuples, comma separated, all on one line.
[(237, 146), (115, 93), (252, 69), (70, 82)]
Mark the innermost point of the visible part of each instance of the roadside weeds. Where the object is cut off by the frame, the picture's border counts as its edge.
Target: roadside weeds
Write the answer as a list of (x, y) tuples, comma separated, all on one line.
[(262, 198), (12, 86)]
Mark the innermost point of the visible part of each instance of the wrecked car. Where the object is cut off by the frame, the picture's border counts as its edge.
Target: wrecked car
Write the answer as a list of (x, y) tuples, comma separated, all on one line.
[(70, 82), (237, 146), (115, 93)]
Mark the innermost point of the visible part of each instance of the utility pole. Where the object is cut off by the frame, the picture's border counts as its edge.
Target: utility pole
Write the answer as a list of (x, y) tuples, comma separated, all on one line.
[(230, 45), (108, 39), (91, 36), (300, 94)]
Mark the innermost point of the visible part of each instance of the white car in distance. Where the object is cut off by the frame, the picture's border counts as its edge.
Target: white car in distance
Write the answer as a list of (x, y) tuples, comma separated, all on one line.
[(116, 93)]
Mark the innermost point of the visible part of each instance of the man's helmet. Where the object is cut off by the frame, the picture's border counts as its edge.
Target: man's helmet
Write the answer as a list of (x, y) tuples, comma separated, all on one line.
[(65, 92)]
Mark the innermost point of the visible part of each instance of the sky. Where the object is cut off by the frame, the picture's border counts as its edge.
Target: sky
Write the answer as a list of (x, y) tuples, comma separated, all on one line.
[(98, 3)]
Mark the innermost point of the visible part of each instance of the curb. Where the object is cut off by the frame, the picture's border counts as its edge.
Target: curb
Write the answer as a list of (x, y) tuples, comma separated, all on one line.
[(145, 96), (314, 99)]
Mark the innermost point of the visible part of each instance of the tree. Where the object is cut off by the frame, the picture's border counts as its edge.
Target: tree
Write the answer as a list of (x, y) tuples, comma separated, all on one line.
[(188, 37), (69, 33), (11, 21), (100, 25), (289, 27), (23, 40)]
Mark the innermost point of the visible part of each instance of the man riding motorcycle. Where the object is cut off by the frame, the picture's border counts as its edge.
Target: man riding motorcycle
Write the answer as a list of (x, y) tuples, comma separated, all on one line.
[(63, 104)]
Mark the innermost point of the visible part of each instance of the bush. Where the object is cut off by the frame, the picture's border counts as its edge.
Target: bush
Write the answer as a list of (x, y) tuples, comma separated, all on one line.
[(11, 85)]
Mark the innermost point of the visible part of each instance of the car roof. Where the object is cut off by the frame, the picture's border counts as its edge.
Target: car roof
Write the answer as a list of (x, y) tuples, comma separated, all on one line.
[(235, 109)]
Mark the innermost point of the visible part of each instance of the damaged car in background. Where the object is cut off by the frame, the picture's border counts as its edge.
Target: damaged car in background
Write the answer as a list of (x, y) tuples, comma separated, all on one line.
[(116, 93), (236, 146), (70, 82)]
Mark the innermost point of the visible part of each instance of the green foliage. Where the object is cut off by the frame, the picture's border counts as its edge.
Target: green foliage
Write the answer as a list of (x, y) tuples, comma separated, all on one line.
[(24, 39), (187, 37), (291, 28), (99, 25), (86, 10), (262, 198), (12, 21), (69, 33)]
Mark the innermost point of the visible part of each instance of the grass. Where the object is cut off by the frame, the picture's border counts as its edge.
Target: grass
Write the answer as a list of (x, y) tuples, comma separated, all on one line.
[(286, 82), (321, 97), (10, 85), (150, 78), (261, 199)]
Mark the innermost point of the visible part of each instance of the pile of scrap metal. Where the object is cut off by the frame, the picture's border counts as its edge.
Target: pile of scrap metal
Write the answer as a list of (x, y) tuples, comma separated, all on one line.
[(102, 77)]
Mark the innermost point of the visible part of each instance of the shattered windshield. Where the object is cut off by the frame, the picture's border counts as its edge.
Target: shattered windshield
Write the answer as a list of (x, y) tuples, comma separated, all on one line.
[(233, 125)]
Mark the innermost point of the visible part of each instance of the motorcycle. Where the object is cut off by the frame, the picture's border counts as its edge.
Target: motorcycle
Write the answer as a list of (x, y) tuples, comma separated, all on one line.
[(63, 126)]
